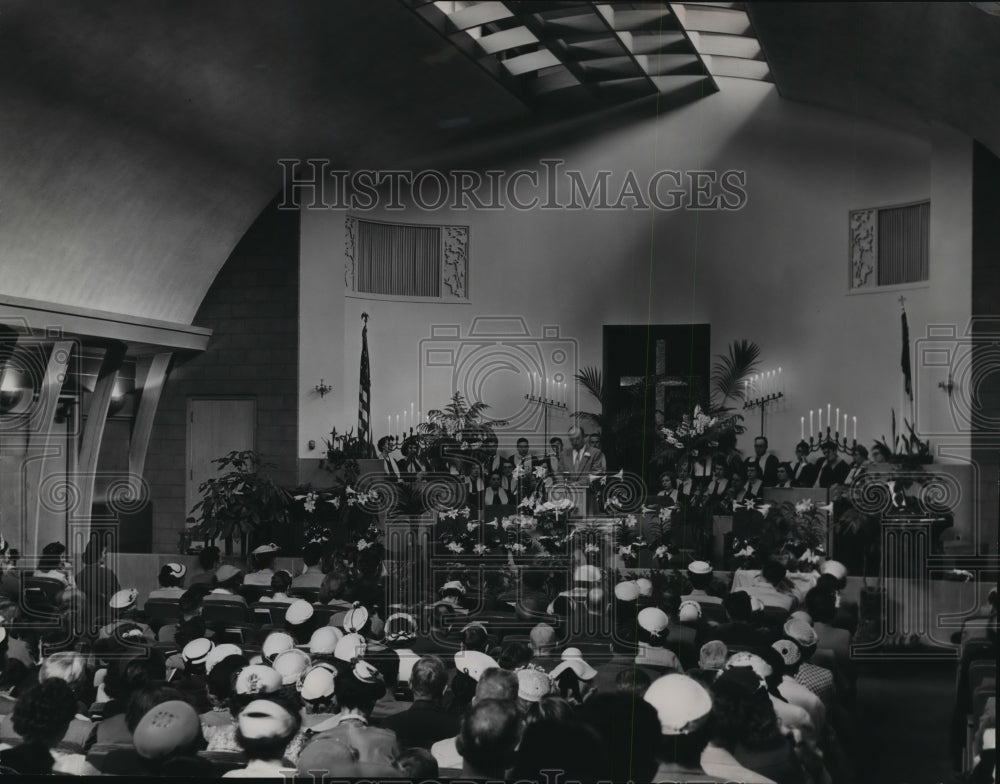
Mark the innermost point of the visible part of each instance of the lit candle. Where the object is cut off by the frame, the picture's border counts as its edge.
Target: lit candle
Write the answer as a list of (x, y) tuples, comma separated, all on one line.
[(781, 387), (404, 421), (845, 425), (746, 388), (412, 420), (802, 429), (388, 424), (836, 422), (397, 423), (827, 416), (855, 428), (419, 417), (810, 424)]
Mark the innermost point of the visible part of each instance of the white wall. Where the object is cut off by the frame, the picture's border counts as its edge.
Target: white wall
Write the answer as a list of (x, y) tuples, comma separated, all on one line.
[(774, 272)]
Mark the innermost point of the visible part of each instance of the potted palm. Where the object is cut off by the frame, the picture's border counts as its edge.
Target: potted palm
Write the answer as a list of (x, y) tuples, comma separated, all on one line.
[(243, 500)]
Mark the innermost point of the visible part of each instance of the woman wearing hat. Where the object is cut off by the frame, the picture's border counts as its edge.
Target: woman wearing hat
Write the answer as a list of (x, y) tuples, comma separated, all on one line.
[(262, 560), (651, 635), (124, 609), (171, 579), (54, 563)]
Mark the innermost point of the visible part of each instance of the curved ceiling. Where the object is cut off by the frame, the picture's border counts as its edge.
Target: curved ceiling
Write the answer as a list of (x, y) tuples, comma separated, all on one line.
[(138, 141), (904, 64)]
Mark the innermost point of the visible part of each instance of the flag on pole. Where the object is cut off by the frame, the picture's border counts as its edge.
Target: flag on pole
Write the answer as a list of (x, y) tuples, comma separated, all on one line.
[(365, 389), (905, 360)]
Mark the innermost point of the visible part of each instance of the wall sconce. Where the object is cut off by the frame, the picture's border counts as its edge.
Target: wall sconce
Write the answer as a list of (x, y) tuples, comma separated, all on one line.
[(949, 386), (323, 388)]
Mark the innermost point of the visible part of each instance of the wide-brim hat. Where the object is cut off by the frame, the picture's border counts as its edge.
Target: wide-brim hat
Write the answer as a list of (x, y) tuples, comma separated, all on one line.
[(700, 567), (350, 647), (197, 651), (275, 643), (834, 568), (801, 632), (355, 618), (266, 549), (790, 652), (627, 591), (653, 620), (316, 683), (264, 719), (124, 599), (645, 586), (291, 664), (572, 659), (474, 663), (689, 611), (400, 627), (586, 573)]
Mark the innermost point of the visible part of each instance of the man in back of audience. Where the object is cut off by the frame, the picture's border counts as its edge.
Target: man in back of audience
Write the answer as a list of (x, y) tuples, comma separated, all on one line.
[(426, 721)]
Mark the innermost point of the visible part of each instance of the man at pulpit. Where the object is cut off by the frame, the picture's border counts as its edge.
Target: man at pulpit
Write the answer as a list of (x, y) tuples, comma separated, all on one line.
[(411, 465), (803, 471), (581, 460), (494, 494)]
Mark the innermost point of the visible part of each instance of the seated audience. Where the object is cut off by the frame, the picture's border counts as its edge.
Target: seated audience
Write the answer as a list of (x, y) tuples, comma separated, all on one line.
[(54, 563), (262, 560), (281, 583), (225, 584), (264, 728)]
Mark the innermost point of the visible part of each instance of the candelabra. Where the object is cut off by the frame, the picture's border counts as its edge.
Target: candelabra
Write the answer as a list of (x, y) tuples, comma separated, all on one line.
[(842, 444), (762, 403), (832, 433), (546, 403)]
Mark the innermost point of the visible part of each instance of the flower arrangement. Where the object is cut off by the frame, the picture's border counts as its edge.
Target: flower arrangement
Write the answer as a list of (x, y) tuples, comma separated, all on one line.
[(344, 447), (794, 534)]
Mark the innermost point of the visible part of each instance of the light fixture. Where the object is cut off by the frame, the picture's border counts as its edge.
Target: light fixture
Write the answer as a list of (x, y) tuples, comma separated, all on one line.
[(11, 391), (323, 388)]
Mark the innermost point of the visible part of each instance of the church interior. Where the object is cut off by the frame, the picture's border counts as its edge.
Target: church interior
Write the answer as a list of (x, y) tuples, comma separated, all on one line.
[(448, 287)]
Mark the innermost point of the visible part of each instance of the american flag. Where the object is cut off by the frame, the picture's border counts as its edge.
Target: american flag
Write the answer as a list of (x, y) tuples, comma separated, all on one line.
[(365, 390)]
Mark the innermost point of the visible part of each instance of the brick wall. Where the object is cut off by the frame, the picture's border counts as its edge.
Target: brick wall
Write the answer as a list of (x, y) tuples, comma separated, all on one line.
[(252, 309)]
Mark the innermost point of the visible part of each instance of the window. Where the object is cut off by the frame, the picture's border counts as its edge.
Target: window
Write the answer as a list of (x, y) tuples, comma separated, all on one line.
[(407, 260), (889, 245)]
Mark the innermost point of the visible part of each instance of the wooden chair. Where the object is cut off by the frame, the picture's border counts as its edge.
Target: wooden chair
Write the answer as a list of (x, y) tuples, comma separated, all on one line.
[(49, 586), (309, 594), (269, 614), (225, 612), (254, 593), (161, 611)]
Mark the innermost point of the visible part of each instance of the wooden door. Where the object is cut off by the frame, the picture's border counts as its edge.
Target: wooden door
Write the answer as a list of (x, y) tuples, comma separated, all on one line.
[(216, 426)]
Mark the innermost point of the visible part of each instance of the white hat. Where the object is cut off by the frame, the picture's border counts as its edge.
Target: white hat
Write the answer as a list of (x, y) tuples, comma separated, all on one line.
[(700, 567), (257, 679), (595, 595), (532, 684), (689, 611), (756, 605), (586, 573), (355, 618), (298, 612), (801, 615), (453, 585), (264, 719), (627, 591), (836, 568), (316, 683), (196, 651), (124, 599), (400, 627), (572, 659), (220, 652), (789, 651), (653, 620), (682, 704), (801, 632), (266, 548), (275, 643), (645, 586), (291, 664), (366, 672), (474, 663), (226, 572), (350, 647), (751, 660), (177, 570), (324, 640)]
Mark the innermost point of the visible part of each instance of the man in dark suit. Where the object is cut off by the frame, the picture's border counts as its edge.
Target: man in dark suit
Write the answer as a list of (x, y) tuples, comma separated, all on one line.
[(834, 470), (784, 476), (492, 460), (426, 721), (386, 446), (767, 465), (803, 471), (411, 464)]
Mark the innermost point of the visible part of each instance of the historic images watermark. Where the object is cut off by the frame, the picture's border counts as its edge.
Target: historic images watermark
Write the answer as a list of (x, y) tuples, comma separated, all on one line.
[(315, 184)]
